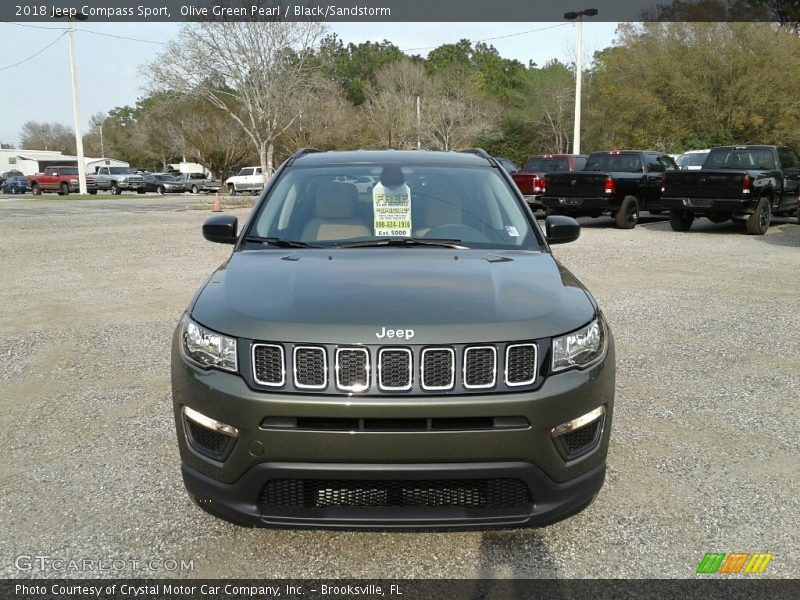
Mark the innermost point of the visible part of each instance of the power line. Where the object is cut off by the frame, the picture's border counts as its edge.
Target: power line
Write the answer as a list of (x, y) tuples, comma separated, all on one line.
[(497, 37), (112, 35), (32, 56)]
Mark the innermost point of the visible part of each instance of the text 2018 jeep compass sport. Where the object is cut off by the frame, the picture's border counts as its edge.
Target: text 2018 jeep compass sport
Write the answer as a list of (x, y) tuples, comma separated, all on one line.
[(409, 355)]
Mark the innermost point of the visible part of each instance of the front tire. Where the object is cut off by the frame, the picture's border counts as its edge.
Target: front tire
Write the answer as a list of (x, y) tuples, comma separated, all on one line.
[(681, 220), (160, 189), (64, 191), (758, 222), (231, 189), (628, 214), (36, 190), (115, 191)]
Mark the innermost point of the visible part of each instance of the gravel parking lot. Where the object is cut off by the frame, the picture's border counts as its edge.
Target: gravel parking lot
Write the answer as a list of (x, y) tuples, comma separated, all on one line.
[(704, 453)]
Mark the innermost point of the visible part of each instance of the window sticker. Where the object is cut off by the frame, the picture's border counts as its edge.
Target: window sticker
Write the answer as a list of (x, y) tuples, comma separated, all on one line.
[(512, 231), (391, 207)]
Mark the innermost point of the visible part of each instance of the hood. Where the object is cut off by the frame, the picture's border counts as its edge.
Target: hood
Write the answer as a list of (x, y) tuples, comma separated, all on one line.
[(349, 295)]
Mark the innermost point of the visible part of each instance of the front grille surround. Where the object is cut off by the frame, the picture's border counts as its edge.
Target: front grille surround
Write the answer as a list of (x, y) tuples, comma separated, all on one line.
[(383, 368), (438, 387), (340, 368), (470, 371), (394, 370), (307, 352), (255, 358)]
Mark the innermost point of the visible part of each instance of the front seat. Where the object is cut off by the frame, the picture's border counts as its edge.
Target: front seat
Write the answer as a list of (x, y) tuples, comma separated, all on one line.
[(335, 215)]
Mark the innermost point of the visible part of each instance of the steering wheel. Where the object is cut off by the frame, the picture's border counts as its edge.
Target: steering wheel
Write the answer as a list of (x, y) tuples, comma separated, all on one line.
[(457, 231)]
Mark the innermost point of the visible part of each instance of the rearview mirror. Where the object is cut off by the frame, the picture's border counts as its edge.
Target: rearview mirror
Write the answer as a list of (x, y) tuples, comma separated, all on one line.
[(221, 229), (561, 230)]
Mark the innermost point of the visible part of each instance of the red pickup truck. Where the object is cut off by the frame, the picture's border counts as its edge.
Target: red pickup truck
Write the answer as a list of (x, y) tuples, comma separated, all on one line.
[(61, 179), (530, 180)]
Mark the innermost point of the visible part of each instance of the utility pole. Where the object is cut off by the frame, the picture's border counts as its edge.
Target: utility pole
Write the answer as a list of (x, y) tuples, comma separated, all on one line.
[(419, 125), (576, 131), (76, 114)]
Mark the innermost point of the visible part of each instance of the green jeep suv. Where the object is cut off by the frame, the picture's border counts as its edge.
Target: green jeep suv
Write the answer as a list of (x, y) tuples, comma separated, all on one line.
[(408, 354)]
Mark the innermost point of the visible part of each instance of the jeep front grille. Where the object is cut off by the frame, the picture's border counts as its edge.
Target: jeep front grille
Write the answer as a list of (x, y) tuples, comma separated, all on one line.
[(438, 368), (395, 369), (268, 367), (480, 366), (373, 369), (434, 493), (310, 367), (520, 364), (352, 369)]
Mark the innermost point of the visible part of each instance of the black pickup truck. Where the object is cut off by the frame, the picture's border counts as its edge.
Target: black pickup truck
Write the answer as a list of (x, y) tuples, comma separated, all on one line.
[(618, 182), (745, 183)]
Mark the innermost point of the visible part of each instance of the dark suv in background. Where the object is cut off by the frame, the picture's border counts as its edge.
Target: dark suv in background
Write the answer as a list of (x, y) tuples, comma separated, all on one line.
[(406, 355)]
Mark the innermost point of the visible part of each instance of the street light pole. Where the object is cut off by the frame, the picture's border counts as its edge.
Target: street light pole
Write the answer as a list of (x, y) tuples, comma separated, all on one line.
[(76, 115), (576, 131)]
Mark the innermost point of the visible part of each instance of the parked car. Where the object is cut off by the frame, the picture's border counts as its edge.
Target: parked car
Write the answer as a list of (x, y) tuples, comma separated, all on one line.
[(117, 179), (365, 183), (199, 182), (617, 183), (413, 359), (163, 183), (530, 180), (691, 160), (750, 183), (248, 179), (6, 174), (15, 184), (61, 179)]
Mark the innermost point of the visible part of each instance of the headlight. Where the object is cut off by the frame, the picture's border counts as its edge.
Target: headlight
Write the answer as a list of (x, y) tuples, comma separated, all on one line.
[(207, 348), (580, 348)]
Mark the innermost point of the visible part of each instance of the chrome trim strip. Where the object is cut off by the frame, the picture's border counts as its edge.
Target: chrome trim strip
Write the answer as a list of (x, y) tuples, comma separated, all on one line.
[(253, 363), (452, 370), (209, 423), (535, 364), (352, 388), (324, 368), (390, 388), (494, 368), (581, 421)]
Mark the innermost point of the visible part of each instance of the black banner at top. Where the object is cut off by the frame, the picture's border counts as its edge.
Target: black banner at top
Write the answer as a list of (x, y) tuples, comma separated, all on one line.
[(785, 11)]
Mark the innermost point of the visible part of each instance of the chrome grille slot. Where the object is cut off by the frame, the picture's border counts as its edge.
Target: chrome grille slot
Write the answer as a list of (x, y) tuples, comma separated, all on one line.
[(520, 364), (480, 366), (394, 369), (268, 364), (438, 368), (310, 368), (352, 369)]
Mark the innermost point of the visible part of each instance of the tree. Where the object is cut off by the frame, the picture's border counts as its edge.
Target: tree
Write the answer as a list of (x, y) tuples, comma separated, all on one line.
[(93, 139), (47, 136), (252, 71), (391, 108)]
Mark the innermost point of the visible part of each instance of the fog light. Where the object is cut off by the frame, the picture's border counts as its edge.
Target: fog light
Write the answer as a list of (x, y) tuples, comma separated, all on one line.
[(210, 423), (581, 421)]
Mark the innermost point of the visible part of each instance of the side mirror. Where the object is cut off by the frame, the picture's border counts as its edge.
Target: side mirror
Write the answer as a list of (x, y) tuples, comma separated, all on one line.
[(561, 230), (221, 229)]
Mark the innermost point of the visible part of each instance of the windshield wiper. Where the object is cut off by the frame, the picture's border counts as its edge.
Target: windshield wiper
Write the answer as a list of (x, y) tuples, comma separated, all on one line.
[(406, 241), (280, 242)]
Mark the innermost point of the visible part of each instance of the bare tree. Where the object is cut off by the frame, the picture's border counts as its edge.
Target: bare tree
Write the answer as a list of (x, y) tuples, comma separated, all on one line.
[(252, 71), (391, 107), (47, 136), (327, 120)]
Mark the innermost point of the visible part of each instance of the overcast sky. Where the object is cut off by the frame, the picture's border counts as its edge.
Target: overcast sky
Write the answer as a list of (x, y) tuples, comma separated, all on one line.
[(108, 67)]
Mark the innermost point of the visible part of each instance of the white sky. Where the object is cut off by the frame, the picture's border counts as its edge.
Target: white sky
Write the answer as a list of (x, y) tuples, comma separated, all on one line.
[(108, 67)]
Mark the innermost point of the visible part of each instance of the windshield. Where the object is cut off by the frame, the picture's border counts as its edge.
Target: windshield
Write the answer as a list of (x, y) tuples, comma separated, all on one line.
[(317, 206), (120, 171), (166, 178), (69, 170), (619, 162), (546, 165), (740, 158), (694, 159)]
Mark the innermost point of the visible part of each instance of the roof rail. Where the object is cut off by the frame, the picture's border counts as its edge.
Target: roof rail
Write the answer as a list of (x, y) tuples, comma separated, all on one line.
[(298, 153), (482, 153)]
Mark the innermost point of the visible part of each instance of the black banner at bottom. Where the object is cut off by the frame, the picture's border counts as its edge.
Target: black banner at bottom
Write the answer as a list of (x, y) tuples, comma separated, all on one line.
[(399, 589)]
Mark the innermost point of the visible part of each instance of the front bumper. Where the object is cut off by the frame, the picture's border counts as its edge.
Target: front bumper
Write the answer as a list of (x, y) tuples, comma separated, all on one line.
[(738, 206), (130, 185), (231, 487)]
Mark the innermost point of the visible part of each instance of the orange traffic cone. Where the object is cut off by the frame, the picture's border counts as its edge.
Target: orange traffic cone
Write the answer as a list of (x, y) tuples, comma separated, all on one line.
[(217, 204)]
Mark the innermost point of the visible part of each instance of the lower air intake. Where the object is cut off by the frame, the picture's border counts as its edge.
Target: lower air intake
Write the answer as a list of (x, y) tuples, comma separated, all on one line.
[(463, 493)]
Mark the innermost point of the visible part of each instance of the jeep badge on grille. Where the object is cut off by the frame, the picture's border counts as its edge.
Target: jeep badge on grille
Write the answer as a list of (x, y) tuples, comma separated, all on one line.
[(395, 333)]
